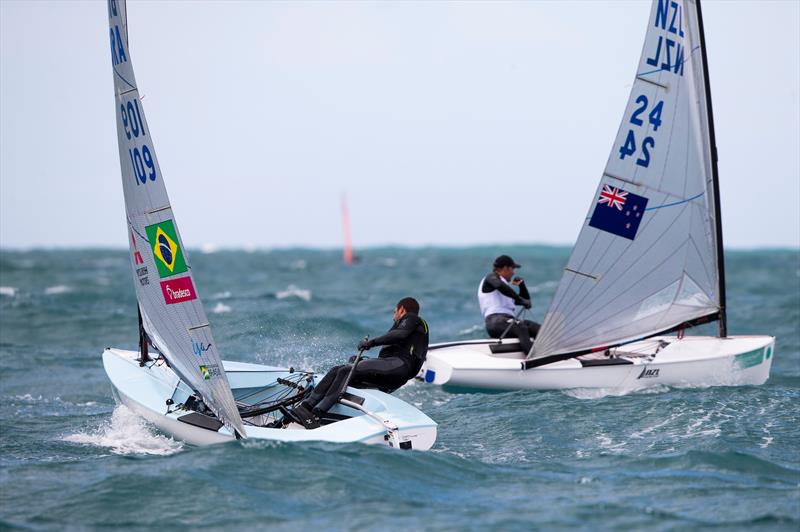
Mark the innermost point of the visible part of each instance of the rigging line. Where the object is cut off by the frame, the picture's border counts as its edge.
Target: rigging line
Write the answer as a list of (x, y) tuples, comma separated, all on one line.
[(674, 203), (130, 224), (670, 66), (123, 79), (620, 276), (706, 270)]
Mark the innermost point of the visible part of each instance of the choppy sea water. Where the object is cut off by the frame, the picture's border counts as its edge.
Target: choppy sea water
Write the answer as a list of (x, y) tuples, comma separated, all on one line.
[(662, 460)]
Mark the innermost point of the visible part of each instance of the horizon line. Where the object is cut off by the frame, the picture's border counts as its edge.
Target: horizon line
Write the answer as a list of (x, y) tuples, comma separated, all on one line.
[(213, 248)]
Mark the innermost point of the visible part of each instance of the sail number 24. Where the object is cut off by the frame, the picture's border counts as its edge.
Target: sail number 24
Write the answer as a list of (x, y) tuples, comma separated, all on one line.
[(144, 167), (654, 118)]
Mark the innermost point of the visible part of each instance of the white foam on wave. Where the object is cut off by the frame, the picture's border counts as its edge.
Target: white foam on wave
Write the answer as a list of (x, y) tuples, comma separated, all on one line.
[(221, 308), (599, 393), (298, 265), (293, 291), (389, 262), (57, 289), (8, 291), (127, 433), (547, 285), (469, 330), (766, 440), (222, 295)]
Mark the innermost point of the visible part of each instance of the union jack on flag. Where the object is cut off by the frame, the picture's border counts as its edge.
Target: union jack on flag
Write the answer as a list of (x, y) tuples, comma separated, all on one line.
[(613, 197), (618, 212)]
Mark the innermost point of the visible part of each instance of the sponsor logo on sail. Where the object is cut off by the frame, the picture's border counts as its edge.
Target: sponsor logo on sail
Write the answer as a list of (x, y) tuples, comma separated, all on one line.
[(198, 348), (210, 370), (137, 257), (138, 262), (178, 290), (648, 373), (166, 250)]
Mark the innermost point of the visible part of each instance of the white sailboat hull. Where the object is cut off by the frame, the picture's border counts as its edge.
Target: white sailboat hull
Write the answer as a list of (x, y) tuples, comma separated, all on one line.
[(697, 361), (145, 390)]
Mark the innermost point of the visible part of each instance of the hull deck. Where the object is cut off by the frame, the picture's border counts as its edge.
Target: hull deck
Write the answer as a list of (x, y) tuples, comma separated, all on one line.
[(145, 390), (688, 362)]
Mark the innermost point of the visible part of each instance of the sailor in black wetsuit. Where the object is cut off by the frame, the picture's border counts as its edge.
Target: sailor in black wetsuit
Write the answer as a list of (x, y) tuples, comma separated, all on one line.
[(406, 346), (497, 300)]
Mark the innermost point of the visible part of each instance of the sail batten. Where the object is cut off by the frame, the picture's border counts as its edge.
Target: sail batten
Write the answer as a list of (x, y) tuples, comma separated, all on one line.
[(171, 309), (648, 256)]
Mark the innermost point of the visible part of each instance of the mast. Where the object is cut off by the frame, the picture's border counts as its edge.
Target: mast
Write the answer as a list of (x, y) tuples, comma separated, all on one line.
[(723, 320), (143, 340)]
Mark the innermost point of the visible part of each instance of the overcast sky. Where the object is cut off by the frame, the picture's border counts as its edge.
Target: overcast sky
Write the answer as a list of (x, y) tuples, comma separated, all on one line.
[(445, 123)]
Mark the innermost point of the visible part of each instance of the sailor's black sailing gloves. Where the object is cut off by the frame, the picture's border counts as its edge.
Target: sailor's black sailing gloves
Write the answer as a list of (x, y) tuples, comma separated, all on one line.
[(365, 345)]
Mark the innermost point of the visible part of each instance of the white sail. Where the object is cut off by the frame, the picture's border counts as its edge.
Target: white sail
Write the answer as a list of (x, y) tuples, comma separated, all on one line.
[(646, 258), (172, 312)]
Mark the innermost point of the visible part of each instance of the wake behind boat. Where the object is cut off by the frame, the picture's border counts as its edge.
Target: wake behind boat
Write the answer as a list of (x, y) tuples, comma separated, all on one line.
[(649, 259), (184, 388)]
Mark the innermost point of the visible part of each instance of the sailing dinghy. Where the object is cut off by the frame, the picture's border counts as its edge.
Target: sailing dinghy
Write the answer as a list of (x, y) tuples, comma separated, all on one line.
[(648, 261), (183, 387)]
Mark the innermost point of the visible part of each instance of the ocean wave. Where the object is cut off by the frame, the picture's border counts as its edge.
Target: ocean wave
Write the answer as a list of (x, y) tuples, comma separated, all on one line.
[(470, 330), (127, 433), (221, 308), (601, 393), (293, 291), (57, 289), (298, 265), (222, 295), (8, 291)]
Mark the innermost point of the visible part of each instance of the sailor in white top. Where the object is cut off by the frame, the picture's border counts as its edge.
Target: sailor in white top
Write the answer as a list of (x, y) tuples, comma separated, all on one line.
[(498, 299)]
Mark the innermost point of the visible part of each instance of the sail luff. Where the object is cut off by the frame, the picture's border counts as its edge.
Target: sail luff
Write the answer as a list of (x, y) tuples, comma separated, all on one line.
[(171, 309), (723, 319), (646, 260)]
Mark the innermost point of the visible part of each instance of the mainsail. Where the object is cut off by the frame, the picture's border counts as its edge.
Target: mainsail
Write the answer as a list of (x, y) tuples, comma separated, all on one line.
[(648, 257), (172, 313)]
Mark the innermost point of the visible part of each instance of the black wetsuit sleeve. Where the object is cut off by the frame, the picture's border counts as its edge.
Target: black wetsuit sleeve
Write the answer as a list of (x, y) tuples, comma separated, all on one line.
[(404, 329), (523, 291), (493, 280)]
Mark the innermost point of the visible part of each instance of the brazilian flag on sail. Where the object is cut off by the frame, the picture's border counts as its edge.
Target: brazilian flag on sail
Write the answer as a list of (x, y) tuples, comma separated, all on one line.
[(166, 250)]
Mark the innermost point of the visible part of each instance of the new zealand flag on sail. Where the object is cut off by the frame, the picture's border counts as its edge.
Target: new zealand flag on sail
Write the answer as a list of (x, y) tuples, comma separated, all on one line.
[(618, 212)]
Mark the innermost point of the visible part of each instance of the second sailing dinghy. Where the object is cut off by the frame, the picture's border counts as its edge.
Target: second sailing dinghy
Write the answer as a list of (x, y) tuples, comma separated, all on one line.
[(648, 261), (184, 388)]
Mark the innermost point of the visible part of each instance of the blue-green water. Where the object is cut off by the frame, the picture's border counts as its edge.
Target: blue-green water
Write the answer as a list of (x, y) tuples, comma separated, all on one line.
[(668, 459)]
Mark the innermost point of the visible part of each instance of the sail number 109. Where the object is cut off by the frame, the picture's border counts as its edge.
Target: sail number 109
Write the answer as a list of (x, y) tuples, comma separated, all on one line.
[(142, 162)]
